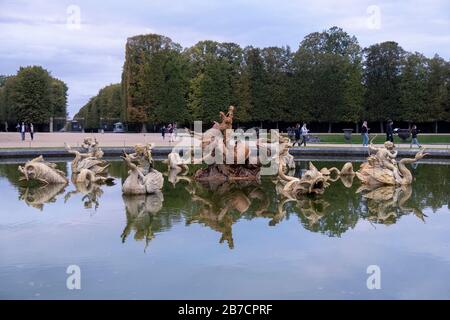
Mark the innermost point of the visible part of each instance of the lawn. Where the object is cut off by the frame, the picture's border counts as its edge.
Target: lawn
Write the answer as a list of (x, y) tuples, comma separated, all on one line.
[(380, 138)]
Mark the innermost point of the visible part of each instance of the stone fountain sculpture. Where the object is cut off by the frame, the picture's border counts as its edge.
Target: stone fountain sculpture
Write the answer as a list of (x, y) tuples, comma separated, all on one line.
[(142, 177), (41, 171), (219, 150), (313, 181), (88, 164), (382, 168)]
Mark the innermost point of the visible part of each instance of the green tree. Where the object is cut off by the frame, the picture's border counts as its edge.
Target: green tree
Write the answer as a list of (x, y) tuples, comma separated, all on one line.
[(58, 98), (382, 77), (437, 90), (210, 91), (327, 74), (144, 75), (31, 100), (103, 108), (413, 89), (254, 67)]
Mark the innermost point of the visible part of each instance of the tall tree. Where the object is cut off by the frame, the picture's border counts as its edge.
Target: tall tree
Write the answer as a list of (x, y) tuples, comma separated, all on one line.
[(103, 108), (58, 98), (437, 90), (413, 89), (327, 72), (143, 76), (382, 76), (254, 66), (32, 96)]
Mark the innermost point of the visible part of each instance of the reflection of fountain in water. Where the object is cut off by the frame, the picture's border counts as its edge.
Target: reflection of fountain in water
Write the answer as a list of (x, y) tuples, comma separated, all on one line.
[(37, 196), (90, 190), (140, 211), (386, 204)]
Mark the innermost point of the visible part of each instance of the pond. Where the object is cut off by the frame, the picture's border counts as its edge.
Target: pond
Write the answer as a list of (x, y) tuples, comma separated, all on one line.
[(225, 241)]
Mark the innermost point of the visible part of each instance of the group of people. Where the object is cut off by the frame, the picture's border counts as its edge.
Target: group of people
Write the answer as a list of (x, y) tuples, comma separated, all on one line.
[(301, 134), (171, 130), (24, 128), (390, 133)]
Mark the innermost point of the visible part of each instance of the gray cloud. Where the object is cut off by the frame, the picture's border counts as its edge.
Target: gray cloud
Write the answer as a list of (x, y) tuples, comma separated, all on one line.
[(35, 32)]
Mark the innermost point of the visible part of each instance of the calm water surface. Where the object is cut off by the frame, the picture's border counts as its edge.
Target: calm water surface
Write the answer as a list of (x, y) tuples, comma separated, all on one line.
[(229, 241)]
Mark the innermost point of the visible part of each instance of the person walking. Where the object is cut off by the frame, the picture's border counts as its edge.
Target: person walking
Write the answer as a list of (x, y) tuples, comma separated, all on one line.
[(174, 131), (31, 131), (390, 131), (170, 131), (304, 133), (365, 134), (22, 131), (297, 135), (163, 132), (414, 133)]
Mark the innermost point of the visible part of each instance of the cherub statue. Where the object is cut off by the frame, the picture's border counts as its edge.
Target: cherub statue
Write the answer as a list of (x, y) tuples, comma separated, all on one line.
[(142, 156), (141, 179), (382, 168)]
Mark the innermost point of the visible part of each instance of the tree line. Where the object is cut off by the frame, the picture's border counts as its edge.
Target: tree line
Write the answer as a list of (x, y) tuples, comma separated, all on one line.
[(31, 96), (329, 79), (102, 109)]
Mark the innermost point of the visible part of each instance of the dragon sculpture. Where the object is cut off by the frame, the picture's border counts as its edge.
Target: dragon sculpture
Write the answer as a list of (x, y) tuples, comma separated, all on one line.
[(142, 177)]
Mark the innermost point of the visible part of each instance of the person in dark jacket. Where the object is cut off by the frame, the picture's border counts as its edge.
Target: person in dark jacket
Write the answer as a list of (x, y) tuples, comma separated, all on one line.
[(390, 131), (163, 132), (414, 133), (297, 135)]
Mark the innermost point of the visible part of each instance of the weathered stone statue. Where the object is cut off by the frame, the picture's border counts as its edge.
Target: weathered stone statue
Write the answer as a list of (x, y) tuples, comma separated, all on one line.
[(286, 159), (142, 177), (312, 182), (230, 159), (89, 158), (174, 161), (42, 171), (382, 168), (142, 156)]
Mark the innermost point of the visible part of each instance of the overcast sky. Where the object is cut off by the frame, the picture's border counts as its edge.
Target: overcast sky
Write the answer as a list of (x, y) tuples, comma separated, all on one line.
[(89, 55)]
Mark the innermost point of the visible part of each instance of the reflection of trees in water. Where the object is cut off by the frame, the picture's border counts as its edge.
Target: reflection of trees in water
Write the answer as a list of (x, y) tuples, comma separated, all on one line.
[(332, 213), (431, 186)]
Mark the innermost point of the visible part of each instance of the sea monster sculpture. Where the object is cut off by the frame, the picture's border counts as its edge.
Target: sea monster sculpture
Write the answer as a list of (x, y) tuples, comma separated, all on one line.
[(313, 181), (382, 168), (142, 179), (90, 158), (42, 171)]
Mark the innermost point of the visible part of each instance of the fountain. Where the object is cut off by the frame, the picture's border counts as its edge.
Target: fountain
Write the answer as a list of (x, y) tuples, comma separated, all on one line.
[(220, 149)]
